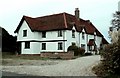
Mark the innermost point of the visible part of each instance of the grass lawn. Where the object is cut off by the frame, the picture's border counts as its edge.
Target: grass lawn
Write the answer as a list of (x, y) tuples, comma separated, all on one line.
[(7, 55)]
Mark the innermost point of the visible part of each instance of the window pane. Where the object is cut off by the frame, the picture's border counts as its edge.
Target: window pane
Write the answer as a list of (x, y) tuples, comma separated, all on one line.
[(43, 34), (27, 45), (73, 33), (43, 46), (83, 35), (24, 33), (59, 33), (83, 46), (60, 47)]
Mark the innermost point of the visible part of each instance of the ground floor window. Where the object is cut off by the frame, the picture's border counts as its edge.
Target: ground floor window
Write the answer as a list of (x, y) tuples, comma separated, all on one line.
[(83, 46), (60, 46), (90, 48), (27, 45), (43, 46)]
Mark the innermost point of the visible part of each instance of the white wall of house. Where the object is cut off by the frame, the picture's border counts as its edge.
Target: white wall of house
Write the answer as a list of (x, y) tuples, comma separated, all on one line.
[(51, 47), (70, 39), (83, 41), (30, 35), (50, 35), (36, 47), (98, 41)]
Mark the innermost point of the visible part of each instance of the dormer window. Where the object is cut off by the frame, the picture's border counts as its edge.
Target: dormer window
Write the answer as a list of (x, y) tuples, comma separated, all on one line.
[(43, 34), (59, 33), (83, 35), (73, 33), (24, 33)]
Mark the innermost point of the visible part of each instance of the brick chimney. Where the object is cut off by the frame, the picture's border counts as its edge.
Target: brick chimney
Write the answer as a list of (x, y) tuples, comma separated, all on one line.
[(77, 13)]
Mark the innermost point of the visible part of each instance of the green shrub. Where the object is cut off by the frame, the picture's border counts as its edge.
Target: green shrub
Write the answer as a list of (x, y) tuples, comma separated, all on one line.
[(74, 48)]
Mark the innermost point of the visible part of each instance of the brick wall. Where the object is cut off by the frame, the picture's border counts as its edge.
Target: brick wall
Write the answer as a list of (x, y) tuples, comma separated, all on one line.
[(63, 55)]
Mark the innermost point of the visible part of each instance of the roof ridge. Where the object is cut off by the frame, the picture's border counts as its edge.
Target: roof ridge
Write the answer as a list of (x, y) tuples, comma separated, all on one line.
[(50, 15), (65, 22)]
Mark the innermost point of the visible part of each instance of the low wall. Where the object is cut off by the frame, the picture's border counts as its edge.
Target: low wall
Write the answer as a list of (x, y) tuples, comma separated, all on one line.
[(63, 55)]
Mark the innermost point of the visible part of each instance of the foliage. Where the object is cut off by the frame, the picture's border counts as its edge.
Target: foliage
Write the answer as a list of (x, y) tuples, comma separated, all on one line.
[(110, 65), (116, 20), (8, 41), (8, 55), (111, 59), (74, 48), (81, 51)]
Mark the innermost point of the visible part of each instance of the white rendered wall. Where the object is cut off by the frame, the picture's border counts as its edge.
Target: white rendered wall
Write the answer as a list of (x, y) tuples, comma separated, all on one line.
[(50, 35), (83, 41), (68, 37), (35, 47), (51, 47), (98, 41), (30, 35)]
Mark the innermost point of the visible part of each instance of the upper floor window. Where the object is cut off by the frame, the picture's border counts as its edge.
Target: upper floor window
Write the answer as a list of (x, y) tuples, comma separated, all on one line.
[(24, 33), (73, 33), (43, 46), (59, 33), (43, 34), (60, 46), (83, 35), (27, 45)]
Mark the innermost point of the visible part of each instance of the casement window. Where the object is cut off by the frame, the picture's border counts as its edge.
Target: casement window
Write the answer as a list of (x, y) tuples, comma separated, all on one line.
[(83, 35), (90, 48), (59, 33), (60, 46), (83, 46), (24, 33), (43, 46), (43, 34), (27, 45), (73, 33)]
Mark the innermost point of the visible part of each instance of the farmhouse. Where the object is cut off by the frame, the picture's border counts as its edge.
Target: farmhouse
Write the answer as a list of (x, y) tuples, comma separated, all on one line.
[(55, 33)]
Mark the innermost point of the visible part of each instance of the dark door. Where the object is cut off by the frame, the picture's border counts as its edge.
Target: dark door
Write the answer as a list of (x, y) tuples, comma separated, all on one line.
[(19, 47)]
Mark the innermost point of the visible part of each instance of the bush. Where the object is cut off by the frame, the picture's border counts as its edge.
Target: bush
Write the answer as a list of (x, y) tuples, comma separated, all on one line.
[(74, 48), (81, 51), (111, 57), (77, 50)]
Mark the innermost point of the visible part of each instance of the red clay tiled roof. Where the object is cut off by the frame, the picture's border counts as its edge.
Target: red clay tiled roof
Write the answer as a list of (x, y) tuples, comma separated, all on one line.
[(104, 41), (58, 22), (62, 21)]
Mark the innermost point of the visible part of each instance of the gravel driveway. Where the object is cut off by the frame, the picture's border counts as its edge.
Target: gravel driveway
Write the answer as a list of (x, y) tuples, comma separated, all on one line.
[(77, 67)]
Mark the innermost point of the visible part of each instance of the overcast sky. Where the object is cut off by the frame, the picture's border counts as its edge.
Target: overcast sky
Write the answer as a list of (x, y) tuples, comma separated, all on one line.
[(99, 12)]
